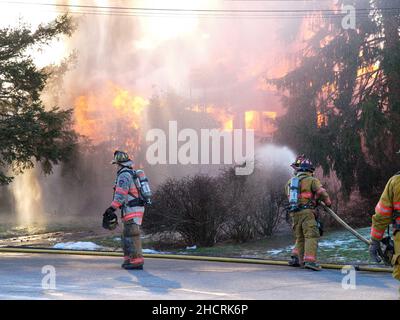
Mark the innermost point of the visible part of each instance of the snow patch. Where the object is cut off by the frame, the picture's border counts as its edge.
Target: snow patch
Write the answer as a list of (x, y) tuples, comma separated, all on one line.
[(191, 248), (151, 251), (273, 252), (80, 245)]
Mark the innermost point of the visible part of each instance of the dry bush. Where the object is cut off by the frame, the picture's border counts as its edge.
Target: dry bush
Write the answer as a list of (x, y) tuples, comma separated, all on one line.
[(191, 206), (255, 203), (205, 209)]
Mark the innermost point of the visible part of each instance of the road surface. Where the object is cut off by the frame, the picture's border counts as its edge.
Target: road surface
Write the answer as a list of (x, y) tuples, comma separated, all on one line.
[(90, 277)]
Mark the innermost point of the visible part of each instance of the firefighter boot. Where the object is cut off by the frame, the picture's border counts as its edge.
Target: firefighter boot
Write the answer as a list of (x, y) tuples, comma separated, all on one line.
[(312, 265), (125, 263), (132, 247)]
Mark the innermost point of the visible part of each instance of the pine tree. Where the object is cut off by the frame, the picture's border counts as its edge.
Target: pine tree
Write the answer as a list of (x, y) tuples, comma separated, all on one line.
[(343, 98), (29, 132)]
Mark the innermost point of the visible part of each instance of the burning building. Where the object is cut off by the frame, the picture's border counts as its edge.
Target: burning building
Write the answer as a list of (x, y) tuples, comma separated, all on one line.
[(135, 72)]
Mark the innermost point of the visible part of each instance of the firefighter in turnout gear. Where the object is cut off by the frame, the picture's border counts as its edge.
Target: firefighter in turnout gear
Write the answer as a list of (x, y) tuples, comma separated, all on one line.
[(387, 212), (304, 191), (128, 197), (294, 259)]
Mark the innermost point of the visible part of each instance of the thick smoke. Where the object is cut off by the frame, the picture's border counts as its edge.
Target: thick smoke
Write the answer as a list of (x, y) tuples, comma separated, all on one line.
[(134, 73)]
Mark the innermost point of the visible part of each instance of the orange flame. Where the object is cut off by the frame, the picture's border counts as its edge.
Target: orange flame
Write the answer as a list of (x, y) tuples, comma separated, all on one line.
[(223, 116), (261, 121), (99, 116)]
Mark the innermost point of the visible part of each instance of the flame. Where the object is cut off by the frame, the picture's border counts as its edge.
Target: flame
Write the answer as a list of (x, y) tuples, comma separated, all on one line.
[(368, 69), (322, 119), (129, 106), (99, 116), (222, 115), (261, 121), (84, 123)]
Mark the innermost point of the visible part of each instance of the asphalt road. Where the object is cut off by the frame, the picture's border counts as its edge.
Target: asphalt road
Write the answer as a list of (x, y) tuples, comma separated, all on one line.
[(88, 277)]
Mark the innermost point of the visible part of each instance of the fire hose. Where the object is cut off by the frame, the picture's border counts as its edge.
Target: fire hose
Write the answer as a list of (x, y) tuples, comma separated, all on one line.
[(204, 258), (344, 224), (32, 250), (385, 253)]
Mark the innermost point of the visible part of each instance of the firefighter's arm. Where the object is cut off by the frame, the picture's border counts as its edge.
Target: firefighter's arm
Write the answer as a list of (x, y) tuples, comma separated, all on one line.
[(383, 213), (121, 190), (320, 193)]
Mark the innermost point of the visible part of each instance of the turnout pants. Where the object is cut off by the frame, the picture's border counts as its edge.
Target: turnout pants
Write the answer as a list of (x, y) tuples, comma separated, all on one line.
[(132, 244), (306, 232)]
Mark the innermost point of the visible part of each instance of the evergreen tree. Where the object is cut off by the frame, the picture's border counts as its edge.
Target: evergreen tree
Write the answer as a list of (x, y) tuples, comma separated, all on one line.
[(29, 132), (343, 98)]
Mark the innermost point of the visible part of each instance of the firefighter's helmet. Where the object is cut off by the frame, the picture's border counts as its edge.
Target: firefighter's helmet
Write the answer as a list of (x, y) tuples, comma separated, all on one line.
[(296, 164), (120, 157), (306, 166)]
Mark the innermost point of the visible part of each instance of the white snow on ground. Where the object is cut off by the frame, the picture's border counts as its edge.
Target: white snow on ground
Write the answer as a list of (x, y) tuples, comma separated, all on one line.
[(151, 251), (85, 245), (272, 252), (337, 243), (191, 248), (80, 245)]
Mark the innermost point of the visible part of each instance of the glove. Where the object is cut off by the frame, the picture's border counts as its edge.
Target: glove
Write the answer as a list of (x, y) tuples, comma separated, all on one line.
[(110, 219), (375, 250), (329, 205)]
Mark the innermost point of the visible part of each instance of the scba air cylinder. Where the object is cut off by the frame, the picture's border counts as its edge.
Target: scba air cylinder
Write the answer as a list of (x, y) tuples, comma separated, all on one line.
[(144, 184)]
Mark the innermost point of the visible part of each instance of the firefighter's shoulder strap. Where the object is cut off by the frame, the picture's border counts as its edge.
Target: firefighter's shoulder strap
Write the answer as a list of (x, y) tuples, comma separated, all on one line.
[(301, 179), (132, 174), (137, 201)]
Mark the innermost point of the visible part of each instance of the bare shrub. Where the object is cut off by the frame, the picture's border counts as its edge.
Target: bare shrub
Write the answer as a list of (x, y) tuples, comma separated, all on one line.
[(353, 208), (192, 206), (204, 209), (254, 203)]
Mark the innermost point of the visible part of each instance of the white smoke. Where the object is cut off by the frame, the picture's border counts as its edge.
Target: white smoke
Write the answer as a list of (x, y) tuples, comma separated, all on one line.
[(272, 157), (208, 61)]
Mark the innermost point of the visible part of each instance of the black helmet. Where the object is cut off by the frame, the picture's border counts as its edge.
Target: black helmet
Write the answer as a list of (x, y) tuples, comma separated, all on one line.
[(306, 166), (296, 164)]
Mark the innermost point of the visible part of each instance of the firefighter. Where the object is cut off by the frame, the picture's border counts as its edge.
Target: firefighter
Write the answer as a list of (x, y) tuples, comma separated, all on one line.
[(387, 212), (127, 198), (294, 259), (303, 213)]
